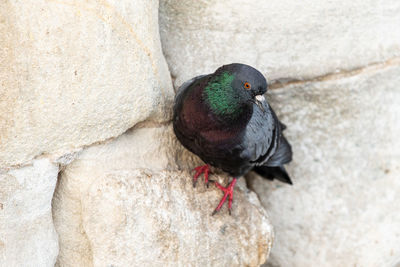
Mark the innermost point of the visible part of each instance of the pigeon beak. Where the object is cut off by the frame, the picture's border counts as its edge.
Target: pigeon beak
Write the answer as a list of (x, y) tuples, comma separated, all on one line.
[(260, 98), (259, 101)]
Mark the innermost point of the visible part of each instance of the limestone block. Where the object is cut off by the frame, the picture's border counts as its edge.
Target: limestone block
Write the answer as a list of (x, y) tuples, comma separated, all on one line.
[(343, 209), (27, 234), (124, 204), (77, 72), (285, 39)]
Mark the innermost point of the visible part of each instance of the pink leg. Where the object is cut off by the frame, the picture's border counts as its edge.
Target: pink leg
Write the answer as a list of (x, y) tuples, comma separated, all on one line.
[(228, 191), (199, 170)]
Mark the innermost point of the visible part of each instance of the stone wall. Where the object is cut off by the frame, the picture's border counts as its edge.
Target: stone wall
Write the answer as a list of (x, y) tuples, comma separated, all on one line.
[(334, 74), (92, 175)]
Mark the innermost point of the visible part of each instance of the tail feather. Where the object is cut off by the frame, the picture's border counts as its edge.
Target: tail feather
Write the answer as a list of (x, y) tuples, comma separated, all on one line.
[(278, 172)]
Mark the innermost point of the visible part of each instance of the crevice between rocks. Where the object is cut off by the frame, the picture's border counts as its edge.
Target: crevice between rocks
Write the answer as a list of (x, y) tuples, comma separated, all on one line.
[(372, 67), (55, 157)]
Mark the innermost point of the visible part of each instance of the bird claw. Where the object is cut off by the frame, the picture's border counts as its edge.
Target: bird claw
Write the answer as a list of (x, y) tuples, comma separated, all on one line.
[(228, 192), (216, 211), (199, 170)]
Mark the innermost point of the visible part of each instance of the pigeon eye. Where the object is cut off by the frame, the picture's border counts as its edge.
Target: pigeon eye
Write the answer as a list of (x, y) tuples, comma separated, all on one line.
[(247, 85)]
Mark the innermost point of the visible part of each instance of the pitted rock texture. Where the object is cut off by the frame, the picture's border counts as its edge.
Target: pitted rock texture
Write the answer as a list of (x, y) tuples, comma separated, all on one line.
[(342, 209), (76, 73), (111, 210), (84, 88), (27, 234)]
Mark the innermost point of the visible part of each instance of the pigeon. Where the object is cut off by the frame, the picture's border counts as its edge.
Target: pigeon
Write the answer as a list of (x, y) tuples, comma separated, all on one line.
[(225, 119)]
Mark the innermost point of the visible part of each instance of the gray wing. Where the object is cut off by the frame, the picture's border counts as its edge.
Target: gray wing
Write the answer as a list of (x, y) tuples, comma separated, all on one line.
[(261, 136), (282, 155), (283, 152)]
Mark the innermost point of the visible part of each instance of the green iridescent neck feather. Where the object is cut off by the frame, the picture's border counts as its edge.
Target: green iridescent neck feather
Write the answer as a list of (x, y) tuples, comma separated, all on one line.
[(221, 97)]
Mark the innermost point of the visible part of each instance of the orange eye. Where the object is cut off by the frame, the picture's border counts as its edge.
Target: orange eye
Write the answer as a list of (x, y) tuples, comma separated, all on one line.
[(247, 85)]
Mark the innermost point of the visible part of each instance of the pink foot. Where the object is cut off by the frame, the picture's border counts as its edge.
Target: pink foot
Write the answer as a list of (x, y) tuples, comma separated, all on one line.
[(228, 191), (199, 170)]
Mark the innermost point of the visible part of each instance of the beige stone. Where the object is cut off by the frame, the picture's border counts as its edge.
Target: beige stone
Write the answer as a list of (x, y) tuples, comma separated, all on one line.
[(343, 122), (76, 75), (117, 205), (27, 234), (343, 209), (285, 39), (77, 72)]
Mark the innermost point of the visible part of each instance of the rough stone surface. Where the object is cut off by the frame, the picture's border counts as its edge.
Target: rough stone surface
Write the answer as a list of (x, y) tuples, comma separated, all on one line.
[(343, 209), (76, 74), (118, 205), (286, 39), (73, 73), (337, 63), (27, 234)]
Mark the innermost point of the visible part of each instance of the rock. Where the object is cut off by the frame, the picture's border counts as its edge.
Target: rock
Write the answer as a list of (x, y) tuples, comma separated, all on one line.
[(119, 205), (76, 76), (287, 40), (85, 90), (27, 234), (343, 209), (76, 73), (338, 69)]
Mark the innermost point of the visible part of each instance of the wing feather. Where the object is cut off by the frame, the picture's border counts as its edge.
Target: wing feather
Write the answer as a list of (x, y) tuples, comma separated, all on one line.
[(259, 135)]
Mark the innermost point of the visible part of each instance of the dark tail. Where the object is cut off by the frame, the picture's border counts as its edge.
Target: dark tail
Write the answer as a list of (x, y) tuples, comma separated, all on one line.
[(270, 173)]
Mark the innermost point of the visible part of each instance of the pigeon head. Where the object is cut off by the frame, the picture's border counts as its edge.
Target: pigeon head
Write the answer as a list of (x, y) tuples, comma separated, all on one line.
[(232, 88)]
